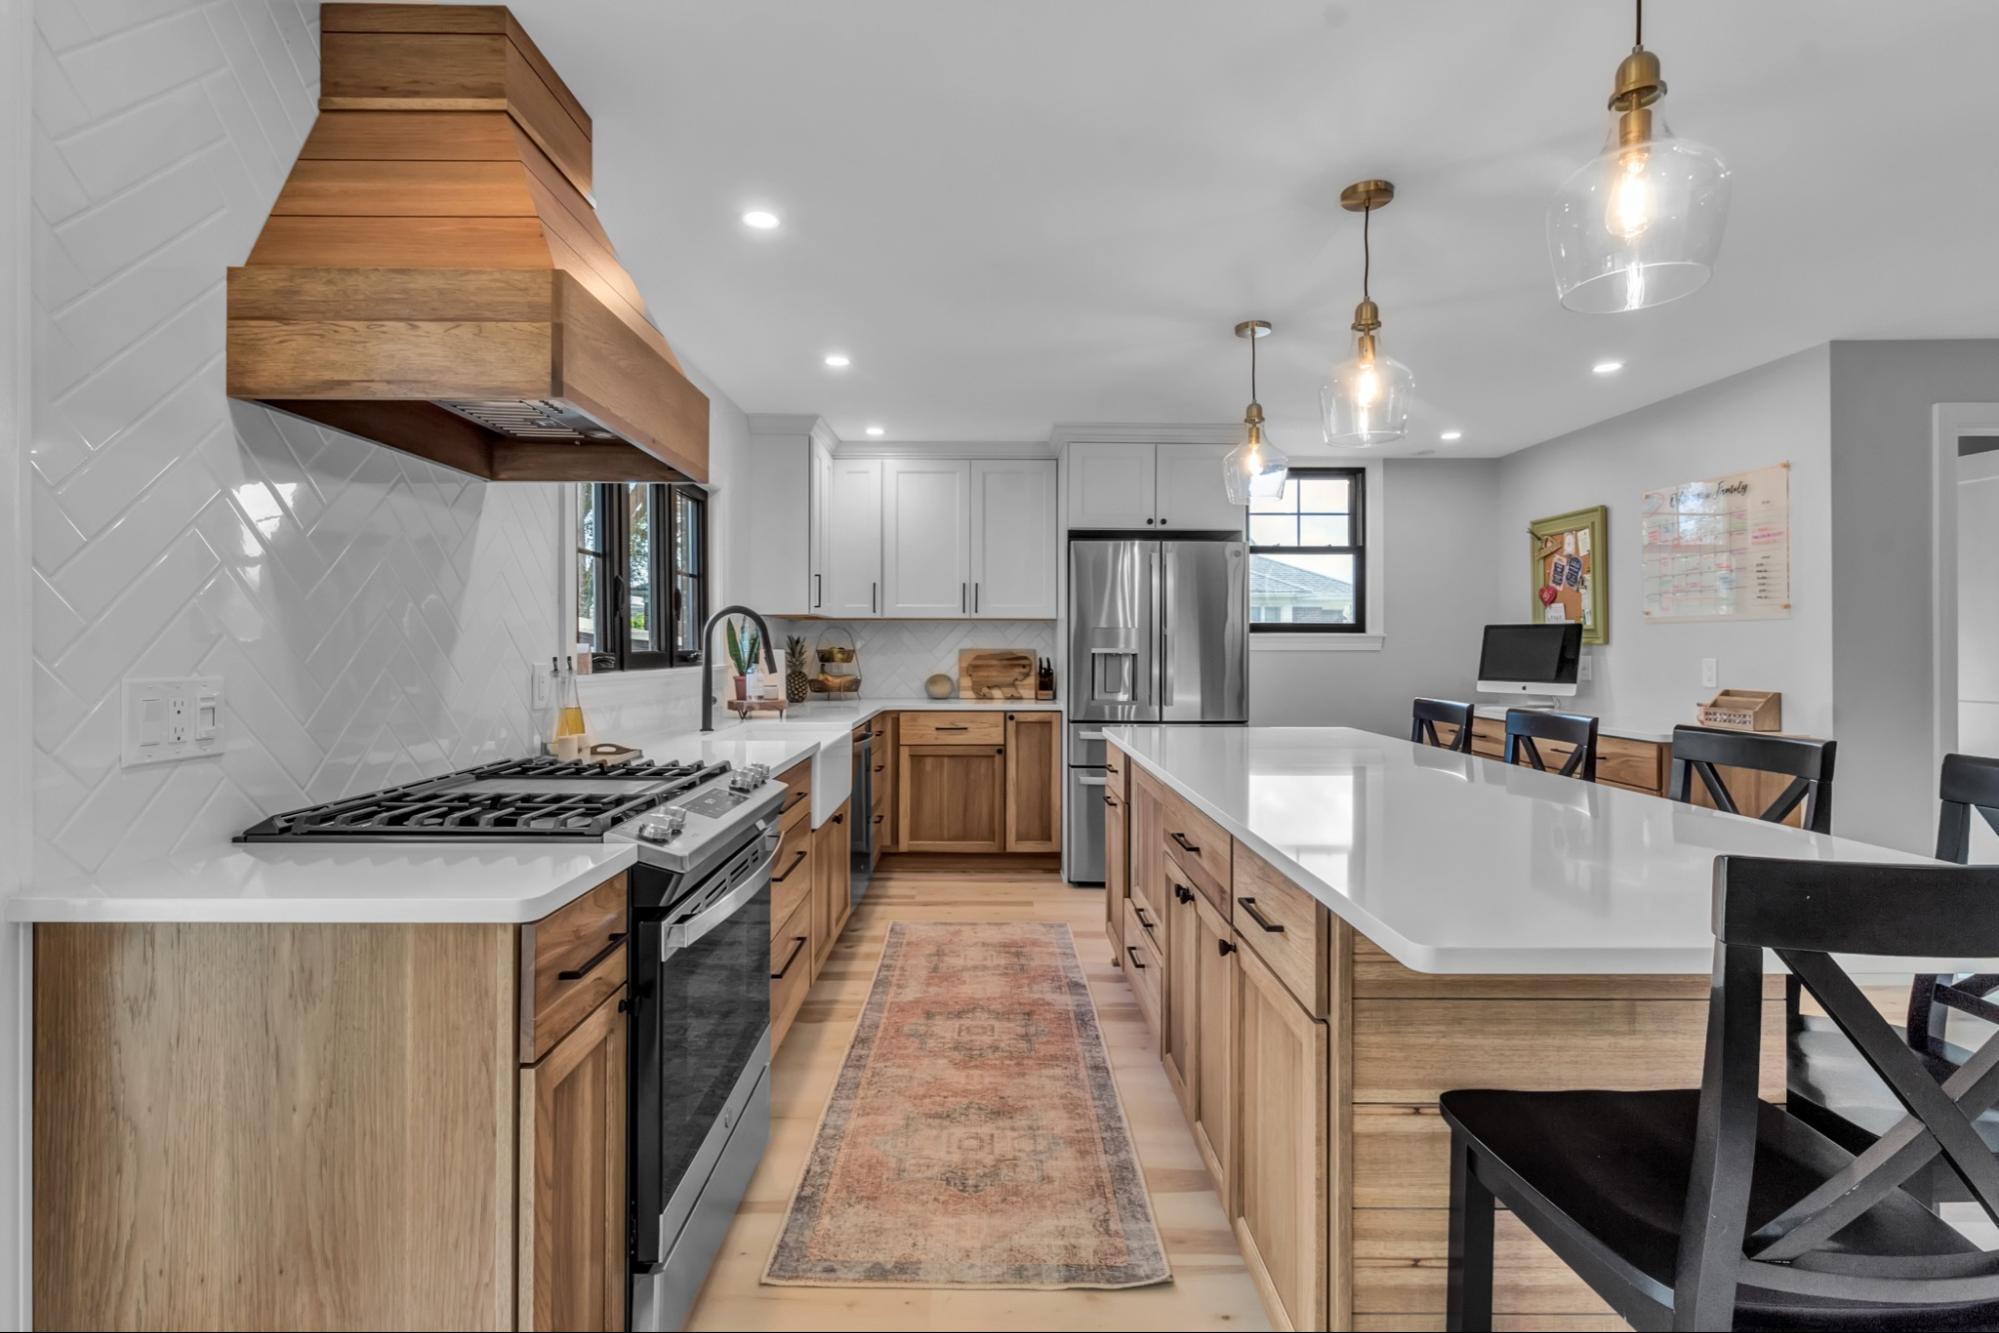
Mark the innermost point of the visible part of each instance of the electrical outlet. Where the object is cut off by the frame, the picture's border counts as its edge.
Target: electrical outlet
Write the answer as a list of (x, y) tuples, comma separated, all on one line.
[(170, 718), (1585, 668), (1709, 676)]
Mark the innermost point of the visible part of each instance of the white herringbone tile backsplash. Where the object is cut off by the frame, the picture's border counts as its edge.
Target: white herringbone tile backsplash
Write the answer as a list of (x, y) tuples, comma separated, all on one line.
[(897, 656), (373, 617)]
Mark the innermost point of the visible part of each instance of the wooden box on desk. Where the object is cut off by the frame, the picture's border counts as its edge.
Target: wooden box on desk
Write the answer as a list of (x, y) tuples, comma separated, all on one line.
[(1743, 710)]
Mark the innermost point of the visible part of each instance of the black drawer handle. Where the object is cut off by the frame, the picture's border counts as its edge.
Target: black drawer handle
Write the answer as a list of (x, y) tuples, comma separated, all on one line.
[(1249, 905), (1183, 893), (578, 973), (1139, 912), (954, 728), (881, 768), (839, 819), (797, 943), (796, 797), (880, 818), (1132, 949), (1110, 800), (1185, 846), (779, 879), (1224, 948)]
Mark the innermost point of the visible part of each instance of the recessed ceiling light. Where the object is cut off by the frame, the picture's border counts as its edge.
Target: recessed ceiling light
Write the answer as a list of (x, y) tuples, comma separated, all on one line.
[(838, 360), (1449, 435), (760, 218), (876, 430), (1607, 367)]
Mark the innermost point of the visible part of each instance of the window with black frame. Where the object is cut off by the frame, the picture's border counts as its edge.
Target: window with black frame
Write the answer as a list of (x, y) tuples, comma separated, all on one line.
[(1308, 554), (641, 574)]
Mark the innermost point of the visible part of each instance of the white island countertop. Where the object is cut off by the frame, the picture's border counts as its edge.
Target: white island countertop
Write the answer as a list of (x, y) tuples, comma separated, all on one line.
[(1455, 863)]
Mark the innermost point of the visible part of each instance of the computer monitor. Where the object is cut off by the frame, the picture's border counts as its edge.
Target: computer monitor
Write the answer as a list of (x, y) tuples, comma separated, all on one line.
[(1530, 659)]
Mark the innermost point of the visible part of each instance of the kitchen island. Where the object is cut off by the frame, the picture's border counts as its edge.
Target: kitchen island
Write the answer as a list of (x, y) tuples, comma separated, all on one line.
[(1327, 928)]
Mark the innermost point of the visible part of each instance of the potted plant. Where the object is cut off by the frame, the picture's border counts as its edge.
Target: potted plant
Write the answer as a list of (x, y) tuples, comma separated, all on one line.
[(745, 651)]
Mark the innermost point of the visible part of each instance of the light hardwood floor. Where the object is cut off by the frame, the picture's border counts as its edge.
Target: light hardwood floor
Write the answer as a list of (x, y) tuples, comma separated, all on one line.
[(1210, 1286)]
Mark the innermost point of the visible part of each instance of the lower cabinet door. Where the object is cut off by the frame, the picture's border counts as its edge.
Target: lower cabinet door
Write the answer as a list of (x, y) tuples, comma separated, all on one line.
[(790, 971), (1180, 993), (571, 1186), (1211, 1077), (1116, 873), (953, 798), (832, 884), (1280, 1109)]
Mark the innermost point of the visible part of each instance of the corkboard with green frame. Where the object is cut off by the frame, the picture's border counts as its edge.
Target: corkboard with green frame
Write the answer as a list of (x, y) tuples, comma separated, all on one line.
[(1571, 570)]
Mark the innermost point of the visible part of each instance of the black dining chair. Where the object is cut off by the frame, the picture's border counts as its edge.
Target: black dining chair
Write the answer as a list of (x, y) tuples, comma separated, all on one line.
[(1702, 751), (1524, 726), (1425, 714), (1710, 1208), (1831, 1084)]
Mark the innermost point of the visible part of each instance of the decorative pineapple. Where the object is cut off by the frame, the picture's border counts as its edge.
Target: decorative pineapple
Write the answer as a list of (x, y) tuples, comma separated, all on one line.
[(797, 689)]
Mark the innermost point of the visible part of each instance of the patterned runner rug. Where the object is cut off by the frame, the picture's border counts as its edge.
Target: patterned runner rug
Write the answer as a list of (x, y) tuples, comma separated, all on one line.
[(975, 1137)]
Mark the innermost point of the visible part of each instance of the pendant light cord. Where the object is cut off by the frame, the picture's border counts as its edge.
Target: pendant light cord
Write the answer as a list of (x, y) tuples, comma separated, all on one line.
[(1366, 254), (1638, 40), (1253, 340)]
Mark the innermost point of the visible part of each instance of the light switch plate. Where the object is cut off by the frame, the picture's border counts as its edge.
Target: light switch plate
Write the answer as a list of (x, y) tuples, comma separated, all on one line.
[(1708, 673), (1585, 668), (167, 718), (538, 691)]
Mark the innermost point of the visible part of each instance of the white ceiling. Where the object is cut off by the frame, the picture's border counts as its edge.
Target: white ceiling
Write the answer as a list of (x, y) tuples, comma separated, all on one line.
[(1013, 214)]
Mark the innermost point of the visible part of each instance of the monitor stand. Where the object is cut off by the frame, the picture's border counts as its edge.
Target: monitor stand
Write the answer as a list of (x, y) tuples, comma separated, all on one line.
[(1531, 703)]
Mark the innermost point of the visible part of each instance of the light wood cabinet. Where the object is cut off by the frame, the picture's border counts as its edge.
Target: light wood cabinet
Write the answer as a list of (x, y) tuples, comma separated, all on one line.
[(790, 970), (1147, 853), (1282, 1099), (832, 883), (926, 537), (847, 579), (952, 798), (1015, 554), (1117, 868), (1211, 1094), (572, 1178), (1180, 1022), (1034, 782)]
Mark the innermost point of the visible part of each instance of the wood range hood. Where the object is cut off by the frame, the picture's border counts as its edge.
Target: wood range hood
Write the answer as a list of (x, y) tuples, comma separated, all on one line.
[(433, 276)]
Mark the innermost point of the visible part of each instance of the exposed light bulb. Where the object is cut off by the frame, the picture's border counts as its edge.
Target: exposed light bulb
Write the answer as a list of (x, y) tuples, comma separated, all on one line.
[(1631, 198), (1367, 386)]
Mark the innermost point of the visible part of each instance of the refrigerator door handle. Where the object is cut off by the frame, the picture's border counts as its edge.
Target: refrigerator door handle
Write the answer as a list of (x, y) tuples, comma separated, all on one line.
[(1169, 569), (1157, 597)]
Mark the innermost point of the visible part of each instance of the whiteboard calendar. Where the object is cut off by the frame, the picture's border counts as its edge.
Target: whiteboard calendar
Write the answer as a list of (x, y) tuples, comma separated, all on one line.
[(1719, 549)]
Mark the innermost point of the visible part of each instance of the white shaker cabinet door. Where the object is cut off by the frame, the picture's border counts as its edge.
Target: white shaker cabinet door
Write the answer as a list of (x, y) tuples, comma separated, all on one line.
[(1192, 496), (851, 583), (1014, 551), (926, 537), (1110, 485)]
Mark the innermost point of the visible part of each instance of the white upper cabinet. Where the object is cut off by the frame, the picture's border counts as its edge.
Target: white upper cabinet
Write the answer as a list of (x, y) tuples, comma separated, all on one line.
[(1177, 487), (1190, 494), (1110, 485), (848, 582), (1014, 546), (926, 537), (786, 520)]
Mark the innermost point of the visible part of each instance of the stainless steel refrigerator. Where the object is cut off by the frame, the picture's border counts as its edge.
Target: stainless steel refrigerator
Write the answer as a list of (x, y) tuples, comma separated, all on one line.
[(1158, 632)]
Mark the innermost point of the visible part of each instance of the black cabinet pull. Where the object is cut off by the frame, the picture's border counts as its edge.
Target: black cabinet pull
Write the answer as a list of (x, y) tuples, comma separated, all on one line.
[(1224, 948), (1132, 949), (954, 728), (1183, 893), (1139, 912), (817, 589), (872, 590), (839, 819), (796, 797), (1249, 905), (961, 599), (880, 818), (578, 973), (779, 879), (975, 599), (1110, 800), (797, 943), (880, 768), (1185, 846)]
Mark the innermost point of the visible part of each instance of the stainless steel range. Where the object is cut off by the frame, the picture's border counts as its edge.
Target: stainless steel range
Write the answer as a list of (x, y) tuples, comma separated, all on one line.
[(698, 932)]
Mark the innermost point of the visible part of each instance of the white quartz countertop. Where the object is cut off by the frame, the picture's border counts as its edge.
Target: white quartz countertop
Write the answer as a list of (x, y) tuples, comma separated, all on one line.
[(852, 712), (443, 882), (1457, 863)]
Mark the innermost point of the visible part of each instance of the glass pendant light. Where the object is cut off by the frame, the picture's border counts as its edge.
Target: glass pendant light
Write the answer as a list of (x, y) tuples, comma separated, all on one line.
[(1641, 224), (1256, 467), (1365, 399)]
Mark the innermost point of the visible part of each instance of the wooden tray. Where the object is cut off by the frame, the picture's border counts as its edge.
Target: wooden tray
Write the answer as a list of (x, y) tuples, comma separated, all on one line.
[(996, 673)]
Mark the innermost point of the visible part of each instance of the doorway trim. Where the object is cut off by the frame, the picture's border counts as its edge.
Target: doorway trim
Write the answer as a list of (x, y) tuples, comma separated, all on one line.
[(1949, 423)]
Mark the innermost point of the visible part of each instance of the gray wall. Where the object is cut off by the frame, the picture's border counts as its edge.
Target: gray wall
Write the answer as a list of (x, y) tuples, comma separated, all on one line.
[(1649, 675), (1883, 635), (1435, 515)]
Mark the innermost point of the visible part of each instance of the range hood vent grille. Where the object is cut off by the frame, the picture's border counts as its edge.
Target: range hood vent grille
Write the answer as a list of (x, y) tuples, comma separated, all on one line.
[(433, 275)]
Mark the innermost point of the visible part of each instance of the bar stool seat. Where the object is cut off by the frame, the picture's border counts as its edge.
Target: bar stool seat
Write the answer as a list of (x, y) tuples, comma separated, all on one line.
[(1614, 1167), (1827, 1072)]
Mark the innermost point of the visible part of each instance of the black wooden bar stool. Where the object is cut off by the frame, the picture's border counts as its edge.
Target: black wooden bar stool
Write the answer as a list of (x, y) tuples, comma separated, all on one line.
[(1524, 726), (1831, 1085), (1709, 1208), (1700, 751), (1425, 714)]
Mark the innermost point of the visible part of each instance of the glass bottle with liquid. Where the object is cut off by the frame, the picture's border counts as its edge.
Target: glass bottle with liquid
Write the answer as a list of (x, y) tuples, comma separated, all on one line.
[(569, 704)]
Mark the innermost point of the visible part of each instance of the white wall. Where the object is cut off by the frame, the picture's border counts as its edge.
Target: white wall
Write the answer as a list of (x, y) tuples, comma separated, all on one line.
[(1978, 620), (1649, 675)]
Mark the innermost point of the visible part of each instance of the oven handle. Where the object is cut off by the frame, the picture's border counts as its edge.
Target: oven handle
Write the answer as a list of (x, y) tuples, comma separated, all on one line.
[(681, 934)]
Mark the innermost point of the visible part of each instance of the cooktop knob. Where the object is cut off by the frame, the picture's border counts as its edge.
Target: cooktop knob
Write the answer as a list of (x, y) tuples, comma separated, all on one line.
[(664, 826)]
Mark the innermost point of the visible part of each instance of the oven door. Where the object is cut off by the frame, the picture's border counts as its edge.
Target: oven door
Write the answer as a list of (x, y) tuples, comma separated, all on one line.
[(701, 1037)]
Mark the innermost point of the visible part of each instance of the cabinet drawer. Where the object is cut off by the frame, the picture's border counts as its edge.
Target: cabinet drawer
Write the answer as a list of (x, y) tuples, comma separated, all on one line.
[(1286, 927), (574, 958), (1145, 969), (791, 873), (1141, 922), (1201, 846), (790, 970), (954, 728), (1117, 768), (1638, 764), (798, 795)]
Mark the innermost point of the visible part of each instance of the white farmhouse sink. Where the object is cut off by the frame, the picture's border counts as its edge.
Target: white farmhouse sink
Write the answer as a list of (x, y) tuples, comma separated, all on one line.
[(832, 764)]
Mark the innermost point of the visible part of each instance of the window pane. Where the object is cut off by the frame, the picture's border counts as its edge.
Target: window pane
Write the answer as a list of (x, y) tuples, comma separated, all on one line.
[(687, 533), (589, 574), (1301, 589), (638, 567), (1273, 530), (1325, 530), (1284, 502), (686, 615), (588, 536), (1324, 495)]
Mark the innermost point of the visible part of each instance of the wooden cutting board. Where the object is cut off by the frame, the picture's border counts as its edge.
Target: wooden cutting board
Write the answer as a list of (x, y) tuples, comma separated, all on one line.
[(996, 673)]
